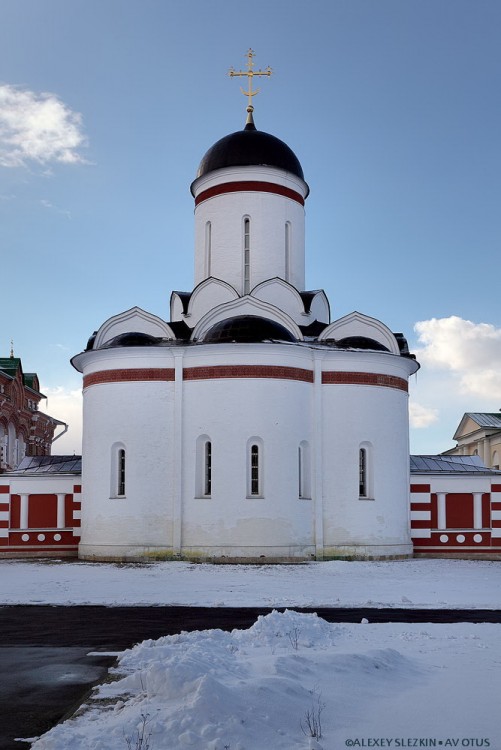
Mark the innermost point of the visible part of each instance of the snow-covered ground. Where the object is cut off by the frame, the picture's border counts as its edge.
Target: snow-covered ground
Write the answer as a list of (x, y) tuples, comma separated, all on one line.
[(290, 676), (411, 583)]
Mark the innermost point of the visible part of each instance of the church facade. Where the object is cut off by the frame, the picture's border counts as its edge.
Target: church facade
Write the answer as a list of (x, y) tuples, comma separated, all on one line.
[(250, 426)]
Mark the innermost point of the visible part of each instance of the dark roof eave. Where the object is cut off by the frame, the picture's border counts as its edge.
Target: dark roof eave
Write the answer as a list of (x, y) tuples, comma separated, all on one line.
[(440, 473)]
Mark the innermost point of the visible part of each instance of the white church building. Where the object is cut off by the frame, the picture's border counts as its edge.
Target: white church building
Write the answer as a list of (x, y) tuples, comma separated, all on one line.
[(250, 426)]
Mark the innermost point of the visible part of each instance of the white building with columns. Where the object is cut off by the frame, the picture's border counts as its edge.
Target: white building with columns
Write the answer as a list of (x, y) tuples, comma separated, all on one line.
[(250, 426), (479, 434)]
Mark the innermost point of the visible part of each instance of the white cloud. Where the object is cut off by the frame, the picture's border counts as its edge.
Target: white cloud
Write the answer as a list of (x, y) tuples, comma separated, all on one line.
[(65, 404), (421, 416), (37, 127), (470, 352), (461, 371)]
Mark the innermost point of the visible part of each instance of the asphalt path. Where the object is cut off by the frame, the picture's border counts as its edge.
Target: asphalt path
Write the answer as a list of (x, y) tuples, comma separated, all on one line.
[(50, 661)]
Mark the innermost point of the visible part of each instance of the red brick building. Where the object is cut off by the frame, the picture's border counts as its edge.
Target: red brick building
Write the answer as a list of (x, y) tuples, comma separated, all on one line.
[(24, 430)]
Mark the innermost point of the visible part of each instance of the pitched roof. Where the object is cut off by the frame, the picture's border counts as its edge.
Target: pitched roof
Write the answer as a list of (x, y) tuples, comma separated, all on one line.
[(10, 365), (49, 465), (484, 420), (449, 465)]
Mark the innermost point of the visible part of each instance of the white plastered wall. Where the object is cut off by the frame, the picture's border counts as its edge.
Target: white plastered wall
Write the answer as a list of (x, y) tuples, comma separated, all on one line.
[(159, 423), (231, 412), (139, 417), (376, 418)]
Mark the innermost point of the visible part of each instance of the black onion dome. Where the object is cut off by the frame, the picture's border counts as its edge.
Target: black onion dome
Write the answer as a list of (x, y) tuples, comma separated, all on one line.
[(250, 147), (247, 329)]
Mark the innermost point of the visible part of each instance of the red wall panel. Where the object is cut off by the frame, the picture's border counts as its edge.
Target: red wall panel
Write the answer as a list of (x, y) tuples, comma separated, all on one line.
[(459, 510), (68, 510), (15, 511), (42, 511)]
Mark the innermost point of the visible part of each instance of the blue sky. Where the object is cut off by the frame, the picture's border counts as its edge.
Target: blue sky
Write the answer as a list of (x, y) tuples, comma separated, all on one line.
[(392, 106)]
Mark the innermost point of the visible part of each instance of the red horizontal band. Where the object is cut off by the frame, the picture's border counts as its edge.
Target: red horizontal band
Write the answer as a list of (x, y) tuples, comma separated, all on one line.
[(56, 548), (128, 376), (420, 488), (364, 378), (427, 549), (249, 186), (243, 371), (248, 371)]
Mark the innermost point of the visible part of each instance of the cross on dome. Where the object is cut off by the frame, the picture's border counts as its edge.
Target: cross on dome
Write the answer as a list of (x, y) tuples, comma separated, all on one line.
[(250, 73)]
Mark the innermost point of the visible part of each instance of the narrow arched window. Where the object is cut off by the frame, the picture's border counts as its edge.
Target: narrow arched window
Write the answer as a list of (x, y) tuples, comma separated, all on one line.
[(208, 249), (300, 470), (117, 470), (203, 467), (304, 470), (287, 250), (208, 468), (246, 256), (363, 473), (254, 470), (366, 471), (121, 472), (255, 473)]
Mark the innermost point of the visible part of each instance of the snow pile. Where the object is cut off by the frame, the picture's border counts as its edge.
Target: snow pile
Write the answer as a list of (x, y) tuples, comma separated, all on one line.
[(293, 681), (398, 583)]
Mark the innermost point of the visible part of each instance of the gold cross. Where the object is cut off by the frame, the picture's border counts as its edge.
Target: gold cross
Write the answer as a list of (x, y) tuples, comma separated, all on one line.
[(250, 73)]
